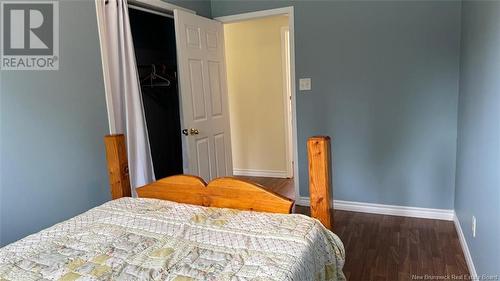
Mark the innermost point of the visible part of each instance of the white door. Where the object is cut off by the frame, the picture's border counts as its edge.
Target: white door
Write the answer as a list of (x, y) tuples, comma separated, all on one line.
[(203, 94)]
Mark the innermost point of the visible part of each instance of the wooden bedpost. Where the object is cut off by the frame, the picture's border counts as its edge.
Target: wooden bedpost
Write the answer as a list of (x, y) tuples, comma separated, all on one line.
[(116, 155), (318, 151)]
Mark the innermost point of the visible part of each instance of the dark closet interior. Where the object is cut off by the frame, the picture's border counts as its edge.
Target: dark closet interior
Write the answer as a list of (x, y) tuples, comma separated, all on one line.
[(155, 52)]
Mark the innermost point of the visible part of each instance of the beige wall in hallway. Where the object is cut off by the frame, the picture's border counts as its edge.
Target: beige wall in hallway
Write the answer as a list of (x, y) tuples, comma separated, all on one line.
[(255, 87)]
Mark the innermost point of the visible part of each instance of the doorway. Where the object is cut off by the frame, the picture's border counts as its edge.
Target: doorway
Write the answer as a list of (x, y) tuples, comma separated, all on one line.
[(261, 90), (258, 97), (156, 59)]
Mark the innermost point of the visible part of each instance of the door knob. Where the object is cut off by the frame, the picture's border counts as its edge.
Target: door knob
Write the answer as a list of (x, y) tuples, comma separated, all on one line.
[(193, 131), (185, 132)]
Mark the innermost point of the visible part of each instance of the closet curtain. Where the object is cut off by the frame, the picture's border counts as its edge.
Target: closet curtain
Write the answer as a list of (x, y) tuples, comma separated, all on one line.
[(123, 90)]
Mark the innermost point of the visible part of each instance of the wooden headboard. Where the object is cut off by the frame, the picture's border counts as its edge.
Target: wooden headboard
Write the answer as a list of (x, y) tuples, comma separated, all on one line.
[(226, 192)]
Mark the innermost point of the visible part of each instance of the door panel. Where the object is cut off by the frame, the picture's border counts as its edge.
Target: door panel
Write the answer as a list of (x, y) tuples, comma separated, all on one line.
[(203, 93), (215, 88), (197, 90), (203, 158), (212, 41), (193, 37), (220, 159)]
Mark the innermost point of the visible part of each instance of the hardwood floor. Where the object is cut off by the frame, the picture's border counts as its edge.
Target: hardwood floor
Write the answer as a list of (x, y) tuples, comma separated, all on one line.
[(283, 187), (380, 247)]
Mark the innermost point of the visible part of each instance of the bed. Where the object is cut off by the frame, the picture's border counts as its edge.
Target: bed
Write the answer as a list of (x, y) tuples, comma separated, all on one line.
[(181, 228)]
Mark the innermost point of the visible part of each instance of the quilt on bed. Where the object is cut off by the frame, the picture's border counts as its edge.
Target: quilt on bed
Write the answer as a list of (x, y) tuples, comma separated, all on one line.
[(149, 239)]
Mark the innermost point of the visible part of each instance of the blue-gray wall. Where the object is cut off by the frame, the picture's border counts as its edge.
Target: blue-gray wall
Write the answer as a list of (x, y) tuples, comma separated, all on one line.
[(52, 125), (385, 87), (478, 156)]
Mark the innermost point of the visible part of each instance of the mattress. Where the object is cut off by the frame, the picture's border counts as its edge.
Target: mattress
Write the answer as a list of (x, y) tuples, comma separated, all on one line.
[(150, 239)]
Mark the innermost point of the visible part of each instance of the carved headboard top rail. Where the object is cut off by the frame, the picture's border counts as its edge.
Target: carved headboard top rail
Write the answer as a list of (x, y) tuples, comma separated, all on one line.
[(224, 192)]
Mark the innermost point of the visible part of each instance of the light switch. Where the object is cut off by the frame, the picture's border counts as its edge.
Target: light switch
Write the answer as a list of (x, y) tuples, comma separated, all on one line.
[(305, 84)]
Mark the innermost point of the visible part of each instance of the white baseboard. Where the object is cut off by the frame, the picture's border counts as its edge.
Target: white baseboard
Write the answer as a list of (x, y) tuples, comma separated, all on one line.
[(465, 248), (260, 173), (415, 212)]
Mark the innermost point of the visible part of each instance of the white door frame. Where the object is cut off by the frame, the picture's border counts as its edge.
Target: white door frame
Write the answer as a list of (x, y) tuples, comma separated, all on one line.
[(158, 5), (274, 12), (287, 97)]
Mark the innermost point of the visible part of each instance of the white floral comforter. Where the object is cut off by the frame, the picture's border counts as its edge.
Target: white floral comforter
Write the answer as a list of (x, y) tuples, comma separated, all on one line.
[(149, 239)]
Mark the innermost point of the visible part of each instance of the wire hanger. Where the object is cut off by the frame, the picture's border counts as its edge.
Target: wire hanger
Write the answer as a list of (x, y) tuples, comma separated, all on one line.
[(153, 76)]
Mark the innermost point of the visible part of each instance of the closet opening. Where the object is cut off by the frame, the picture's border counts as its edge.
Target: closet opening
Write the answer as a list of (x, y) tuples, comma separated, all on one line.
[(156, 56)]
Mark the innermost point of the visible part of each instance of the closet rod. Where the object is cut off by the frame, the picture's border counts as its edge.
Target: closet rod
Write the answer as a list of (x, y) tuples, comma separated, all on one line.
[(150, 11)]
